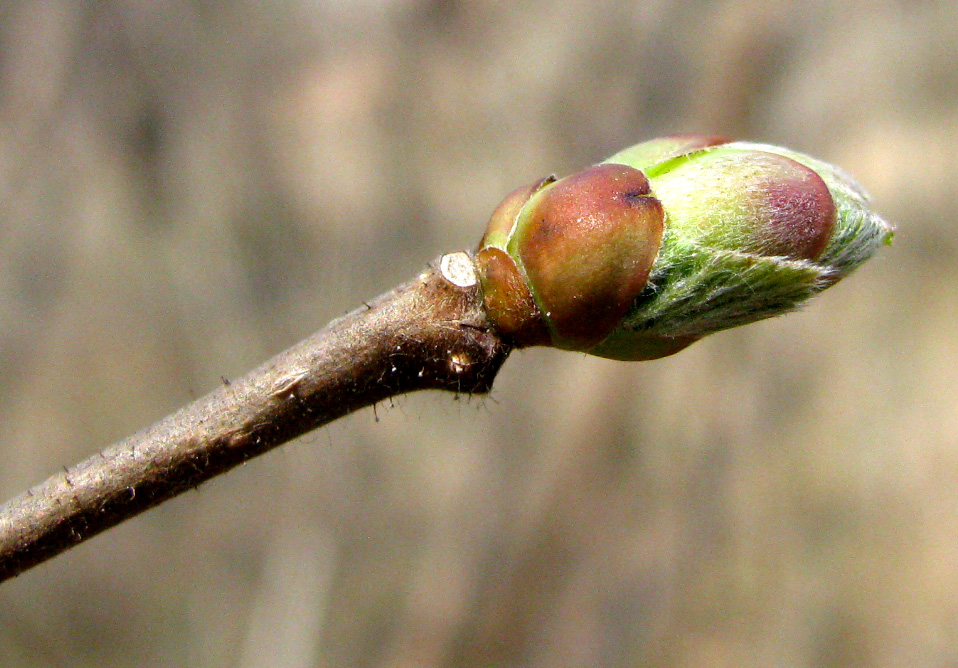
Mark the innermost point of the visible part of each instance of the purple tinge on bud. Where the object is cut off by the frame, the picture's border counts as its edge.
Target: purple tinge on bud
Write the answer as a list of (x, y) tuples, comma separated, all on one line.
[(748, 201), (586, 244)]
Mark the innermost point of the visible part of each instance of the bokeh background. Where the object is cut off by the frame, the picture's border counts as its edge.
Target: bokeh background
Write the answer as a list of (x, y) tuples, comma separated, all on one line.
[(187, 188)]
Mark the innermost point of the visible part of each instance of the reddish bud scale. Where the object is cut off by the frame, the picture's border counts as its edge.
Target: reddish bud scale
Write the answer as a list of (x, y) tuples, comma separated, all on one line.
[(503, 219), (508, 300), (587, 244)]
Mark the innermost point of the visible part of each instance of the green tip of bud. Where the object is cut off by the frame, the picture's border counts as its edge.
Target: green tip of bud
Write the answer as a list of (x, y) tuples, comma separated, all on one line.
[(668, 241)]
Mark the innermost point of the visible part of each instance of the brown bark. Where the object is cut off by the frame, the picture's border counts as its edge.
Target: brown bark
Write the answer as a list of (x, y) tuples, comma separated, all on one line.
[(431, 333)]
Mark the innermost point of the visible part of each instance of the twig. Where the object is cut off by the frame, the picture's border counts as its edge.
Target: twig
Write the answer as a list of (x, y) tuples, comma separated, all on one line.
[(431, 333), (583, 263)]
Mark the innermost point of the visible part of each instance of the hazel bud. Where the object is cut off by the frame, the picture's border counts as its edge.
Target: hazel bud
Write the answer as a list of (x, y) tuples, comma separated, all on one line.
[(670, 240)]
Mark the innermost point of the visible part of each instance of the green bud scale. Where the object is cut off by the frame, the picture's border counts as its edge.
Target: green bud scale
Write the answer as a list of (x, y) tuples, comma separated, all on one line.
[(668, 241)]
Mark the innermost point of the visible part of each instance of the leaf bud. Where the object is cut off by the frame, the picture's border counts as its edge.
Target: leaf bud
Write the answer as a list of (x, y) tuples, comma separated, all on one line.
[(668, 241)]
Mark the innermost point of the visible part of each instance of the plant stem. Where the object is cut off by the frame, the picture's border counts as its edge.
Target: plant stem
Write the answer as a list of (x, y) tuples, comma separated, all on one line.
[(431, 333)]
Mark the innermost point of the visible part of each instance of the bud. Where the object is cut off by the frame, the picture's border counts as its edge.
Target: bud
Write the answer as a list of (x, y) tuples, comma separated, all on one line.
[(670, 240)]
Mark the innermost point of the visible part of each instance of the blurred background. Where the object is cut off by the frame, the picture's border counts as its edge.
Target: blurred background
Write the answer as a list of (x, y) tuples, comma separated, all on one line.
[(188, 188)]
